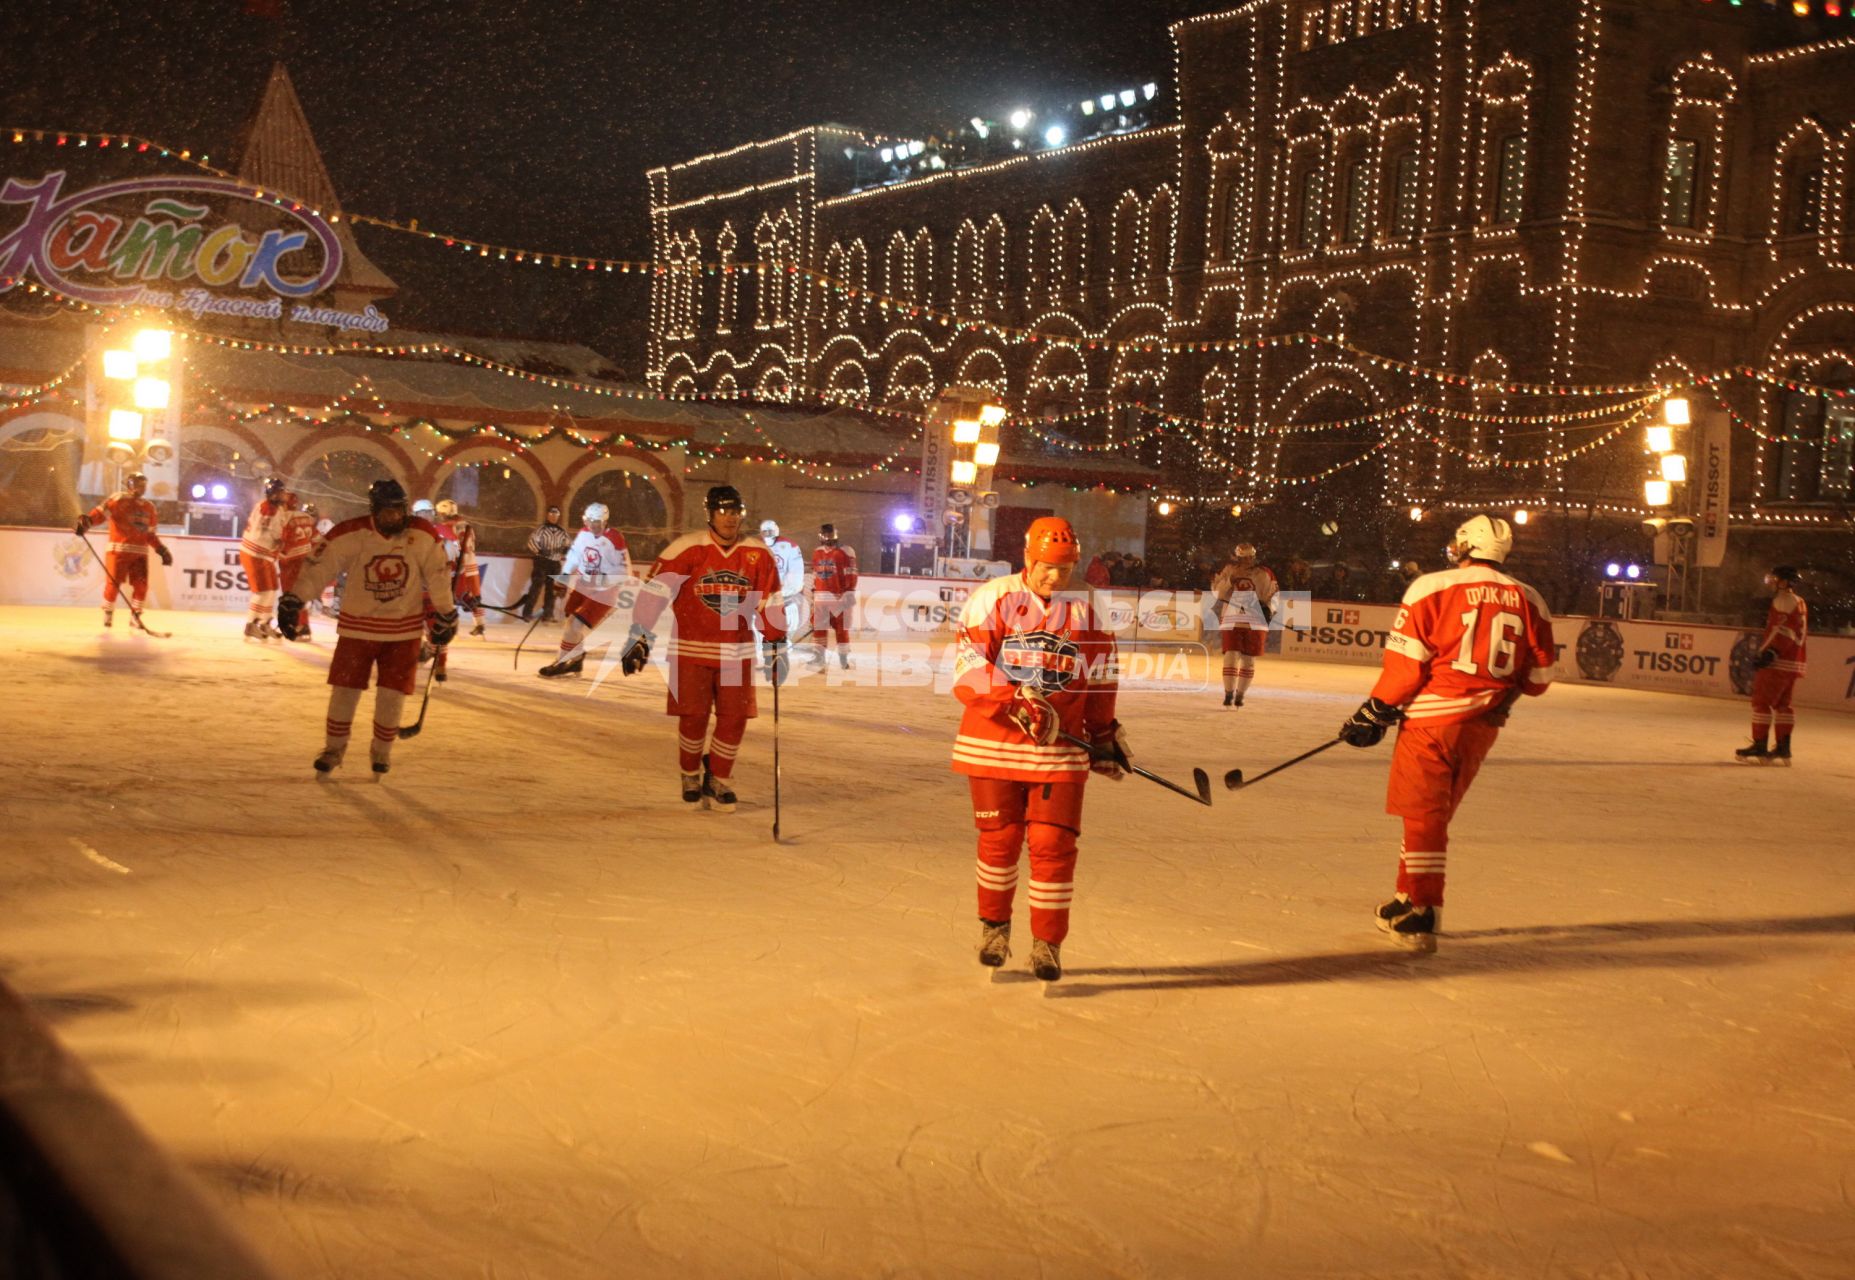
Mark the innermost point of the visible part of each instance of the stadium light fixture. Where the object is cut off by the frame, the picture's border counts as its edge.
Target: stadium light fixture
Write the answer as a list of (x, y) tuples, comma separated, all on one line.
[(1055, 136), (119, 365), (153, 344), (1522, 515), (1164, 508), (1129, 97), (125, 424), (965, 471), (151, 393), (986, 453), (1022, 117), (1676, 411), (991, 415), (1675, 468), (1661, 439), (1657, 493), (966, 431)]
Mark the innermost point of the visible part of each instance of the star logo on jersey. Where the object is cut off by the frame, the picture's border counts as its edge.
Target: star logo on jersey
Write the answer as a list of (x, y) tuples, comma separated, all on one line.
[(724, 591), (1045, 661), (385, 576)]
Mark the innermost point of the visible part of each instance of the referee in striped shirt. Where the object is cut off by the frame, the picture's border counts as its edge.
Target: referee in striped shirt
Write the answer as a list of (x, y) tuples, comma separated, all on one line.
[(547, 545)]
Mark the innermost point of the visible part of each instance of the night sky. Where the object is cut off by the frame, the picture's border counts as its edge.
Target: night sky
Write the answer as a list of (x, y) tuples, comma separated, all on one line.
[(532, 123)]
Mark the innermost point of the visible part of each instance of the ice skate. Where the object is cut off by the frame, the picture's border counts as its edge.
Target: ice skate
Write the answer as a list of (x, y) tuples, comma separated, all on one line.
[(380, 767), (1756, 753), (1415, 929), (1046, 960), (994, 943), (843, 659), (692, 789), (268, 632), (329, 760), (1236, 700), (478, 629), (109, 619), (716, 791), (1396, 909), (254, 630), (1230, 699), (563, 667), (1781, 752), (817, 662)]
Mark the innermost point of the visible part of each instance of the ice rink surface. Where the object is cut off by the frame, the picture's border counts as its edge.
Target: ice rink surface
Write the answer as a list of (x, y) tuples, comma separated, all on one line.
[(516, 1013)]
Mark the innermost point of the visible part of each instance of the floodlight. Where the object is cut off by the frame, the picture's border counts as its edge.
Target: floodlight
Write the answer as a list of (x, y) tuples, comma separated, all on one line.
[(1055, 136), (1021, 118), (151, 393), (1660, 439), (125, 424), (1657, 493), (119, 365), (965, 472), (986, 455), (966, 431), (1675, 411), (1675, 467), (153, 344)]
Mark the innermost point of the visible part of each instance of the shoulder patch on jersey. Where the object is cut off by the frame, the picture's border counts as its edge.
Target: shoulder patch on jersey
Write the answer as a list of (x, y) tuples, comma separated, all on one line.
[(419, 523)]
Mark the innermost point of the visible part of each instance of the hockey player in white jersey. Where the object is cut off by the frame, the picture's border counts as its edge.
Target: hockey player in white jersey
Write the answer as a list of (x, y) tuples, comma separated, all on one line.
[(789, 560), (597, 565)]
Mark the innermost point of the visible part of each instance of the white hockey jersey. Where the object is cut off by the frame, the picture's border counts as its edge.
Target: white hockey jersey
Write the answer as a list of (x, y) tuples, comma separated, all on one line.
[(598, 564), (388, 578)]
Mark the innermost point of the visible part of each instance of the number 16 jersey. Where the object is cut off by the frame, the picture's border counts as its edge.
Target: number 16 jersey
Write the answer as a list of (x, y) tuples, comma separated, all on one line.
[(1462, 640)]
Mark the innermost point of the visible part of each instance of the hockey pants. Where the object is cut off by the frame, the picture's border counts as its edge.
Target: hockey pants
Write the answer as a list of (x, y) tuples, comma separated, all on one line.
[(1431, 769), (1050, 815), (1771, 704)]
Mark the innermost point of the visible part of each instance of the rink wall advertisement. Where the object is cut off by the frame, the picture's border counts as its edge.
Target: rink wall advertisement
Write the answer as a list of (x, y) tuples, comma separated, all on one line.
[(51, 567)]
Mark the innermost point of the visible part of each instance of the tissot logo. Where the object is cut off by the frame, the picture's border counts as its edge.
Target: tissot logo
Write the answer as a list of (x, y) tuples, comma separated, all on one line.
[(1343, 617), (1678, 640)]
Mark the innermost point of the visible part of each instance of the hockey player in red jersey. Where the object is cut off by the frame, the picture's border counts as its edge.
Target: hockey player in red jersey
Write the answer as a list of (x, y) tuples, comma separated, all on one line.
[(1466, 644), (1033, 667), (1780, 663), (295, 543), (1244, 592), (467, 579), (597, 566), (259, 552), (132, 534), (834, 585), (394, 563), (717, 585)]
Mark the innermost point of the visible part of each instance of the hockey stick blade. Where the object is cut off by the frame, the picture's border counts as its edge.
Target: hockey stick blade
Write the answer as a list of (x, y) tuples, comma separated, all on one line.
[(417, 727), (1202, 781), (1199, 778), (1234, 778)]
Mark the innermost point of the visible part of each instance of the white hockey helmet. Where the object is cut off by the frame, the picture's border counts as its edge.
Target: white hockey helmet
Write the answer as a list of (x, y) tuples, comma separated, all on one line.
[(446, 508), (595, 511), (423, 508), (1244, 551), (769, 529), (1482, 537)]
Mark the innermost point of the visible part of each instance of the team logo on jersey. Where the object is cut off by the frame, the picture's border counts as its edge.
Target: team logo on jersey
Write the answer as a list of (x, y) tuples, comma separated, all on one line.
[(386, 576), (724, 591), (1045, 661)]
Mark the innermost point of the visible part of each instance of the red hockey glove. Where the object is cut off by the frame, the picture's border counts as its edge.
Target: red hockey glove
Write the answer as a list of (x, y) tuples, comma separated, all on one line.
[(1108, 753), (1034, 715)]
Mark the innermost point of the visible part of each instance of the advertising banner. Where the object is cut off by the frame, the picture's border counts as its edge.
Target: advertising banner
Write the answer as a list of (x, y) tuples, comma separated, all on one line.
[(1340, 633), (1713, 485)]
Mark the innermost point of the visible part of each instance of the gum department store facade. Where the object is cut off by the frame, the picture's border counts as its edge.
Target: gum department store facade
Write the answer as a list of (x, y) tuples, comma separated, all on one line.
[(1583, 192)]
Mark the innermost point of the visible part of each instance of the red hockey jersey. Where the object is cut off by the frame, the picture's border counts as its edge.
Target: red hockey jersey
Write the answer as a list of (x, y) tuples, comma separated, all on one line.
[(132, 522), (834, 571), (388, 578), (263, 530), (299, 535), (714, 594), (1786, 625), (1461, 641), (1010, 636)]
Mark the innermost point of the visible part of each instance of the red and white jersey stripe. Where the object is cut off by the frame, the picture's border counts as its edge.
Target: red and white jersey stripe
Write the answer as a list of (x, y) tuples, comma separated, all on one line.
[(1787, 624)]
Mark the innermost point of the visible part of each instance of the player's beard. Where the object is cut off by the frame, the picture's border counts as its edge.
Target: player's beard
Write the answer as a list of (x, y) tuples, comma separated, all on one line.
[(390, 521)]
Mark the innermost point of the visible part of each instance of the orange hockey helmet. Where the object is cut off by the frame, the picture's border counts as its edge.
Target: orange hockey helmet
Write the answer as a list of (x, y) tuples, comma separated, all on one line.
[(1050, 540)]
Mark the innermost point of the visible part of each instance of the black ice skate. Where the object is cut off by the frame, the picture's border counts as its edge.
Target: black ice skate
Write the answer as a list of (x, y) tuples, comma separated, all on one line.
[(1781, 752), (109, 619), (1415, 929), (1236, 700), (719, 794), (1230, 699), (1756, 753), (994, 942), (329, 760), (563, 667), (1046, 960), (478, 629), (1397, 908), (692, 788)]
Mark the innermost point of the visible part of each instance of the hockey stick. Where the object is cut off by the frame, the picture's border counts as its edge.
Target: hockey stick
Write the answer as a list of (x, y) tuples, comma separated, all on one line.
[(1200, 778), (523, 641), (775, 675), (1234, 778), (122, 595), (417, 726)]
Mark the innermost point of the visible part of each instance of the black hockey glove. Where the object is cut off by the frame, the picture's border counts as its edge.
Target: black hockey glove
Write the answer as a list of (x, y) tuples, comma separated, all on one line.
[(82, 526), (1765, 658), (778, 665), (1368, 725), (290, 615), (167, 557), (442, 628), (637, 655)]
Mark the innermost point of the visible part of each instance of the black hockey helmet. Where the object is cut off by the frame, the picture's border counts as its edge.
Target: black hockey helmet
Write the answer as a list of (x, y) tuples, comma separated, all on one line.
[(385, 493), (725, 497), (274, 487), (1787, 573), (130, 480), (828, 532)]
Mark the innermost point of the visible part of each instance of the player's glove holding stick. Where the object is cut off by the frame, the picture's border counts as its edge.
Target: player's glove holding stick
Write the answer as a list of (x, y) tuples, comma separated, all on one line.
[(1369, 723)]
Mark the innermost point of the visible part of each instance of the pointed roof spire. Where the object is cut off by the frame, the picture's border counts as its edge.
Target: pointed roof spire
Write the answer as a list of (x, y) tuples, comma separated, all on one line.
[(280, 154)]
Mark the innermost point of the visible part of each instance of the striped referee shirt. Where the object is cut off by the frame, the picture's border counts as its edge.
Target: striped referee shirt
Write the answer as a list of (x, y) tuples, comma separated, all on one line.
[(549, 542)]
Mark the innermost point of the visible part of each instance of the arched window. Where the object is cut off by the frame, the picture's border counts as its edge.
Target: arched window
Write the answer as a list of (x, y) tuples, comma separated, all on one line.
[(1129, 212), (1073, 264), (922, 254), (1156, 247), (992, 250), (968, 276), (898, 267), (1504, 105), (1693, 154), (728, 298), (1799, 206), (1041, 261)]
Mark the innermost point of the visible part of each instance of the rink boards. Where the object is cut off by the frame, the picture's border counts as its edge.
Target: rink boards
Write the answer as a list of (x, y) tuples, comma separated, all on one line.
[(51, 567)]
